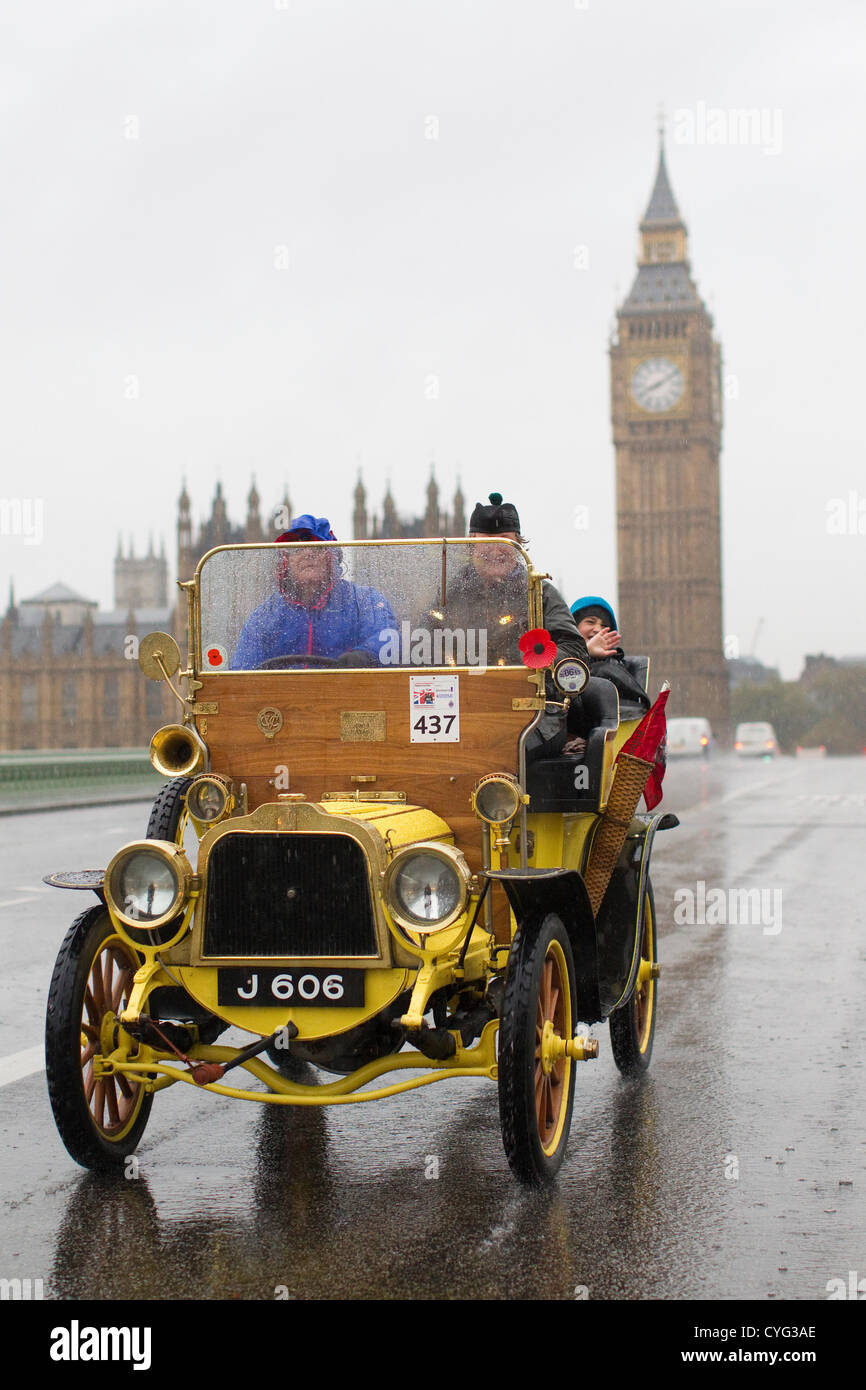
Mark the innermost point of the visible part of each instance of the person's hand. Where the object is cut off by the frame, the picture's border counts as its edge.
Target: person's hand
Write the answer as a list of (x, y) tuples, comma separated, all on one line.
[(603, 643), (575, 745)]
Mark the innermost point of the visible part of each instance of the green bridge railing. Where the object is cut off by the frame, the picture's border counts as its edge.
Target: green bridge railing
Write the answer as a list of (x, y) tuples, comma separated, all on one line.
[(55, 776)]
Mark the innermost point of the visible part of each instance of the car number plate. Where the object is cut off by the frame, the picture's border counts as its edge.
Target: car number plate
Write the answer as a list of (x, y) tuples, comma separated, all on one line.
[(296, 987)]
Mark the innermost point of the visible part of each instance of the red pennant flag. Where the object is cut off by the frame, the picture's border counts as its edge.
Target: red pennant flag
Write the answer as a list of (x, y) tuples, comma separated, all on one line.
[(649, 742)]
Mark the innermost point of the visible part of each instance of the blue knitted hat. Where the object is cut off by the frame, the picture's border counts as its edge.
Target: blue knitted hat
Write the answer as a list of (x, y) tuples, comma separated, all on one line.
[(308, 528), (583, 609)]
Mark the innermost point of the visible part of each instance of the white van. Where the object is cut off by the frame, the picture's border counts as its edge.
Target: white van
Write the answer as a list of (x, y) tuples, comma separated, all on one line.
[(689, 738), (756, 740)]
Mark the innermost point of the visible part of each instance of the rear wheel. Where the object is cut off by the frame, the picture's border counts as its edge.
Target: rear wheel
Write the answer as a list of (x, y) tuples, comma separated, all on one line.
[(100, 1119), (536, 1079), (633, 1026)]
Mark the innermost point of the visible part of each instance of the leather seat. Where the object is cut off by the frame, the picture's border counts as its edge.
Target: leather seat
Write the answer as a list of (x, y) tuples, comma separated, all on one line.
[(639, 668), (550, 782)]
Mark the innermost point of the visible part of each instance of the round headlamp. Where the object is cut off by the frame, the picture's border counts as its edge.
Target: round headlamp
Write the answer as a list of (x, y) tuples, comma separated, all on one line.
[(497, 798), (208, 798), (146, 886), (427, 887)]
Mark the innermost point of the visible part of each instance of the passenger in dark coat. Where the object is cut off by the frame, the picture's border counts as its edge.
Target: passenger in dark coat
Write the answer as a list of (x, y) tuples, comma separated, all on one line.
[(490, 592)]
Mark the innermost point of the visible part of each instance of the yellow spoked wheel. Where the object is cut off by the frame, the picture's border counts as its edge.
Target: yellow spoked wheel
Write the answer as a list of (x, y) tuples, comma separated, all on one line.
[(632, 1027), (536, 1078), (100, 1116)]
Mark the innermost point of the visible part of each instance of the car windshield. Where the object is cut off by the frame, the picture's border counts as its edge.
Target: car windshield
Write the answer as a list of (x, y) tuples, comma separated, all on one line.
[(393, 603)]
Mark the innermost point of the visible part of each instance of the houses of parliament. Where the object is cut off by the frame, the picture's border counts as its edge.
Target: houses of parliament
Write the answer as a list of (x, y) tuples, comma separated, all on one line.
[(68, 673), (66, 677)]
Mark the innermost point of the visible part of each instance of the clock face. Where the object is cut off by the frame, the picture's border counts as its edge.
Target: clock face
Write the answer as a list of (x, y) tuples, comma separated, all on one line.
[(657, 384)]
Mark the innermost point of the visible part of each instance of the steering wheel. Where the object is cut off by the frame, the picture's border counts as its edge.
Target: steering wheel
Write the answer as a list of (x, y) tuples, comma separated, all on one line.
[(291, 659)]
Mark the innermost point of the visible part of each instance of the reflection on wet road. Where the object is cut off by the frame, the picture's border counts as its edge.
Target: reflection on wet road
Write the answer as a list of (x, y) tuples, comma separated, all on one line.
[(735, 1169)]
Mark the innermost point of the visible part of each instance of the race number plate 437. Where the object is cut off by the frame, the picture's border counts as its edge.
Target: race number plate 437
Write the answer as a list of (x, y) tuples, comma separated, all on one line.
[(297, 987), (434, 709)]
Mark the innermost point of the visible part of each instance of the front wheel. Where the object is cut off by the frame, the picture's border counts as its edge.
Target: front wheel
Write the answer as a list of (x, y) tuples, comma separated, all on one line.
[(633, 1026), (536, 1078), (100, 1118), (168, 815)]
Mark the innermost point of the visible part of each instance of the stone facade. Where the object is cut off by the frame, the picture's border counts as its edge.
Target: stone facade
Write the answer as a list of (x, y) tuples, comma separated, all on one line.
[(434, 521), (69, 675), (77, 684)]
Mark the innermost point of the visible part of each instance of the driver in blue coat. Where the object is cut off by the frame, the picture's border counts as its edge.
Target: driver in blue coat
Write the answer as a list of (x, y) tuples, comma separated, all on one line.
[(315, 611)]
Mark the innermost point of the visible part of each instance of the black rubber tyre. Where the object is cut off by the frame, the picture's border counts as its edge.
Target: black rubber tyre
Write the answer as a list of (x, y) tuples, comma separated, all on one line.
[(100, 1122), (167, 811), (632, 1027), (535, 1106)]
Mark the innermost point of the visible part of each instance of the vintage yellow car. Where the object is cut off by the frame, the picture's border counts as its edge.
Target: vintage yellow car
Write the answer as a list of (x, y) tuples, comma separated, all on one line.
[(374, 863)]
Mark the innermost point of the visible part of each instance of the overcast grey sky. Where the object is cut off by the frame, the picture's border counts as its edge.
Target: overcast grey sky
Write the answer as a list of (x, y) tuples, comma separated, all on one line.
[(244, 238)]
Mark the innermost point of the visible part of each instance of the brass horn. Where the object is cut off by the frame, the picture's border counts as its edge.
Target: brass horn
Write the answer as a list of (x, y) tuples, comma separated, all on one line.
[(177, 750)]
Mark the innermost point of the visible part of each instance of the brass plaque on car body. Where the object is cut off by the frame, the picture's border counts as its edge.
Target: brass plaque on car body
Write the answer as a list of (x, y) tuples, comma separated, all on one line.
[(362, 726), (270, 721)]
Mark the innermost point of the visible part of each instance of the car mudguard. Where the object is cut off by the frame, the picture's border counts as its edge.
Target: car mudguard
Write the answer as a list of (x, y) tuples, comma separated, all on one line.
[(562, 891), (623, 907)]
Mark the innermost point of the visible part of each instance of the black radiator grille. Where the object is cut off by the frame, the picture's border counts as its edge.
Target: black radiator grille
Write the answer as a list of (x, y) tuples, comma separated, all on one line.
[(288, 894)]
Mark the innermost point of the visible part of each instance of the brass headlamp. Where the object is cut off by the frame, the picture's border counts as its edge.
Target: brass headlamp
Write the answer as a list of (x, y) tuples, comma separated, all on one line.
[(210, 798), (147, 886), (427, 887), (497, 798)]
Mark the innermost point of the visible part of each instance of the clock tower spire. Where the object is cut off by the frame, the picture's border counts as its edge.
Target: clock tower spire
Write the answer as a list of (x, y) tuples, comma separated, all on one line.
[(667, 431)]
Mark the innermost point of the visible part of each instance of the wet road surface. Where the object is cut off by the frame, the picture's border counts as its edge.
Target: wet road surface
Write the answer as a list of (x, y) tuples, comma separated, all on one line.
[(735, 1169)]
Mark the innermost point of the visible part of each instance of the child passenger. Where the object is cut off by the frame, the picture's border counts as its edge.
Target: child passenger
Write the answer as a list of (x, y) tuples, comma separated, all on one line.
[(596, 623)]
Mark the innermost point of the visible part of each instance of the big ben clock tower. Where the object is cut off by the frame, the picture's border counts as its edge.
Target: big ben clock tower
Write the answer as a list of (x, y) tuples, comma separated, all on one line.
[(667, 431)]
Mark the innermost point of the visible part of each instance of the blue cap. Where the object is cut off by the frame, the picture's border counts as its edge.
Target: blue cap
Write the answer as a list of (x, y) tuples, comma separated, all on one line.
[(592, 601), (315, 528)]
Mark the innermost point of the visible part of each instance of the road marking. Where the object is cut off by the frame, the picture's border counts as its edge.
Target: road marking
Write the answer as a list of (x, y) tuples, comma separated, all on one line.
[(21, 1064), (13, 902), (731, 796), (754, 787)]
